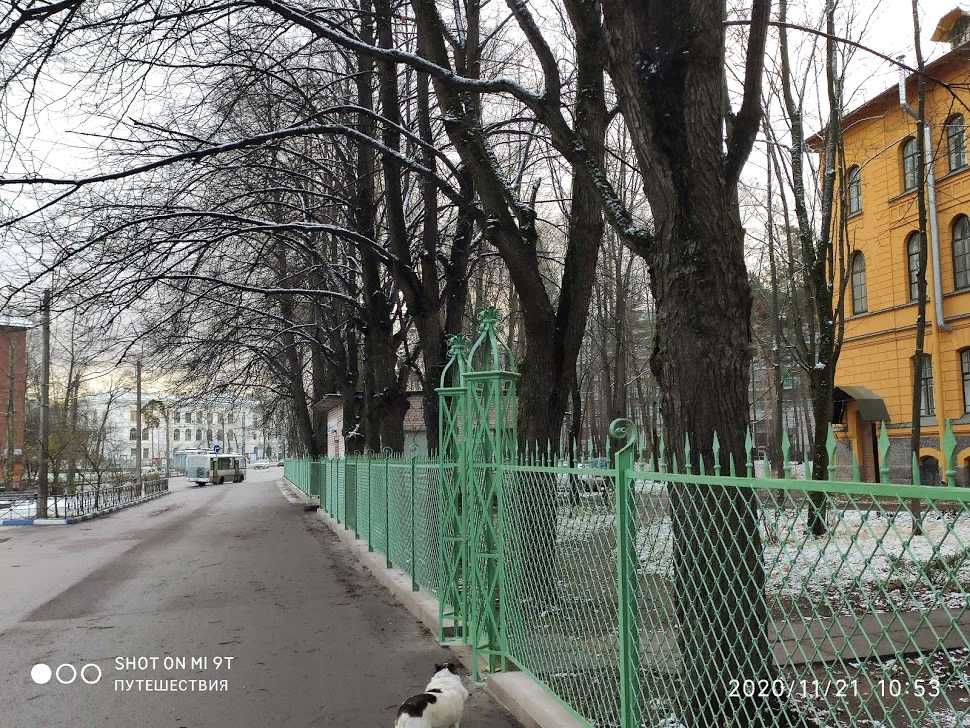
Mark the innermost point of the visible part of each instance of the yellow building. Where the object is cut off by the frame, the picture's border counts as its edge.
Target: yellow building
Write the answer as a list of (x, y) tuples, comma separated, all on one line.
[(875, 371)]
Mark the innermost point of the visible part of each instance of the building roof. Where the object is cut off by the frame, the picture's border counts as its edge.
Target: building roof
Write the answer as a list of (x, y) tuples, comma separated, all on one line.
[(890, 97), (943, 28), (14, 322), (331, 401)]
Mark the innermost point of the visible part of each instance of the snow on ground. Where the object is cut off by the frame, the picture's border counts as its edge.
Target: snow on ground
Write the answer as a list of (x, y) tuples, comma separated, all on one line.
[(871, 558)]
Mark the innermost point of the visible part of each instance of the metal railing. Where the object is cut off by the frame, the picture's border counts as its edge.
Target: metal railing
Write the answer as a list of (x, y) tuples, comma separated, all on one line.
[(641, 596), (83, 501)]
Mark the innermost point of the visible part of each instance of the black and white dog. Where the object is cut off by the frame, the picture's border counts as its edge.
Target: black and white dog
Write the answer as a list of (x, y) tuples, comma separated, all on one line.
[(439, 706)]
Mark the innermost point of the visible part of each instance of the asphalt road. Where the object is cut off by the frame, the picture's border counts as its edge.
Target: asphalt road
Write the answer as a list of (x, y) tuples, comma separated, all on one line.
[(224, 571)]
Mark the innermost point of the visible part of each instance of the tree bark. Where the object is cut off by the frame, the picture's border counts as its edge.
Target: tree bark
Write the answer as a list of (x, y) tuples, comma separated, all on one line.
[(666, 61)]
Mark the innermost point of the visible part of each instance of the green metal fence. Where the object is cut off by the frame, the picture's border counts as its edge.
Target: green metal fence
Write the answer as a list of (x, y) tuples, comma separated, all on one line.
[(644, 594), (866, 625), (392, 502)]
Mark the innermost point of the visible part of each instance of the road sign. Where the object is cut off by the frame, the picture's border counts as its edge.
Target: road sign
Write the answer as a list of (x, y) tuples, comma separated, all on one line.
[(216, 448)]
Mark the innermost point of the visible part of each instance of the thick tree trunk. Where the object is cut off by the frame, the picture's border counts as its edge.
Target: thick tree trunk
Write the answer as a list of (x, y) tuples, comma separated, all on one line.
[(666, 61)]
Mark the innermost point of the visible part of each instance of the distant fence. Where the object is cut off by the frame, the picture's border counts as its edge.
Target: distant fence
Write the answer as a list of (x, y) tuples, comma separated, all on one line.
[(84, 500)]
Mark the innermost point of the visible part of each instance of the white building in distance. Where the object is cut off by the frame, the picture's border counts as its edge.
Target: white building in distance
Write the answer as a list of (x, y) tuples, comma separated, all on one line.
[(172, 425)]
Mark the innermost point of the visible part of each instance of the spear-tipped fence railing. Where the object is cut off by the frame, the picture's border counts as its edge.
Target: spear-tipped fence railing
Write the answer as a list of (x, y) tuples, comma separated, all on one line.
[(682, 586)]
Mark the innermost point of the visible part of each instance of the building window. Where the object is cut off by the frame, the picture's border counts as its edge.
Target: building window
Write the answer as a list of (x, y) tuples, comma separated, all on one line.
[(230, 418), (133, 433), (219, 436), (144, 434), (208, 435), (188, 418), (965, 375), (198, 417), (860, 303), (961, 252), (232, 435), (913, 249), (198, 435), (175, 435), (910, 152), (188, 435), (927, 407), (134, 415), (956, 143), (178, 416), (960, 33), (144, 453), (210, 417), (855, 191)]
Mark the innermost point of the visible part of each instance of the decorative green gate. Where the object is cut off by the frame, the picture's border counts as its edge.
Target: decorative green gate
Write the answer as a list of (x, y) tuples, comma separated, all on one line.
[(478, 440)]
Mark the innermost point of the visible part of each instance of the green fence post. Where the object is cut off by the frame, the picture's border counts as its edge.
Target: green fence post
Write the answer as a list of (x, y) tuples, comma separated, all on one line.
[(337, 503), (370, 510), (414, 558), (949, 449), (387, 508), (631, 712)]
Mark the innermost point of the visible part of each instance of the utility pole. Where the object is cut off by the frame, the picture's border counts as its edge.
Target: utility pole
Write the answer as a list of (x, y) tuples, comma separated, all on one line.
[(45, 387), (168, 438), (11, 414), (138, 439)]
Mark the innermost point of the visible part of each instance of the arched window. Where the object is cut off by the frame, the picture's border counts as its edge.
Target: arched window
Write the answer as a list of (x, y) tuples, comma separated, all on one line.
[(133, 433), (232, 435), (965, 376), (144, 434), (855, 191), (198, 435), (175, 435), (188, 435), (219, 436), (913, 248), (956, 143), (860, 302), (910, 151), (208, 435), (961, 252)]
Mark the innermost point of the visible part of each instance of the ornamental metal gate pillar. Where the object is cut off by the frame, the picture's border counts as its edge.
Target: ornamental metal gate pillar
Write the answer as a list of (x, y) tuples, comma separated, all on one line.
[(478, 440), (451, 423)]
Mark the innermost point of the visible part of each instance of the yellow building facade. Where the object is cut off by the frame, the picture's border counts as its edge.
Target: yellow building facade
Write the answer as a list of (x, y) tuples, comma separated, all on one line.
[(874, 376)]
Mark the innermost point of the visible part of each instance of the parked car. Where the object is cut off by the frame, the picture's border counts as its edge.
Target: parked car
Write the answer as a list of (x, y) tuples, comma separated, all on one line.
[(279, 464), (588, 483), (149, 471), (261, 465)]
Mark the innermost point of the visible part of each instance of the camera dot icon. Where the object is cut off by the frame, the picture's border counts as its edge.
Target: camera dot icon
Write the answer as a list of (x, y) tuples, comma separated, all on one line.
[(41, 674)]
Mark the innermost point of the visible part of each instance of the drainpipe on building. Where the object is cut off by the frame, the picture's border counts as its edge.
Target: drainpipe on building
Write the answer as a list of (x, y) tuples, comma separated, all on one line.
[(939, 323)]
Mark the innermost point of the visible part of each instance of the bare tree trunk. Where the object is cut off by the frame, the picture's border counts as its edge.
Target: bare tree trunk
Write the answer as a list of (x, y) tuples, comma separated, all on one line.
[(777, 457), (817, 259), (918, 357)]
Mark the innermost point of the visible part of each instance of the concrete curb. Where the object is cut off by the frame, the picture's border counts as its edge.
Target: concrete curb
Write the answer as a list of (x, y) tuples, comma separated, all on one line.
[(523, 697), (79, 519)]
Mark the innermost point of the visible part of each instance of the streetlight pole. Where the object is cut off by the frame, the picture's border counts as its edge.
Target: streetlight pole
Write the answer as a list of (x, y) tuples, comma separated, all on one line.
[(138, 440), (45, 387)]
